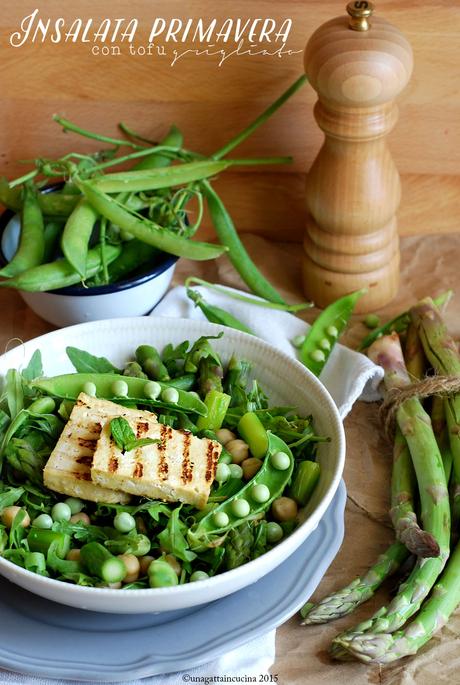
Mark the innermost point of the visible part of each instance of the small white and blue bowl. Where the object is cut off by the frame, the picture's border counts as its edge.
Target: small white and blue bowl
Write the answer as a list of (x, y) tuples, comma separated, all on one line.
[(134, 296)]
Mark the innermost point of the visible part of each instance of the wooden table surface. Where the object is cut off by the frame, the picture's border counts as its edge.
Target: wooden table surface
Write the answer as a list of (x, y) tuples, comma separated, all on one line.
[(429, 266)]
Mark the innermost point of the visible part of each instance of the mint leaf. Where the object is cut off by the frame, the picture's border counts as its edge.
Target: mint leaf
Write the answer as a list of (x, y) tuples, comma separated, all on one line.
[(34, 368), (84, 362), (124, 436)]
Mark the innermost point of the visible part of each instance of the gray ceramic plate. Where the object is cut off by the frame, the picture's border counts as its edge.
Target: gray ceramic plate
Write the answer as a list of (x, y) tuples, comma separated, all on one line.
[(43, 638)]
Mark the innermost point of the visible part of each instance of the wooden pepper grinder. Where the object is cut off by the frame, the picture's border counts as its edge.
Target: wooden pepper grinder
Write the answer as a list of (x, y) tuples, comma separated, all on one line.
[(357, 65)]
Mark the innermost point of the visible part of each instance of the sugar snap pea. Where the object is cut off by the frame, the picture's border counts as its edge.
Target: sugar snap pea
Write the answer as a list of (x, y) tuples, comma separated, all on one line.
[(147, 231), (237, 254), (135, 254), (173, 138), (52, 232), (274, 479), (51, 204), (32, 240), (160, 177), (59, 274), (326, 330), (108, 386), (76, 235)]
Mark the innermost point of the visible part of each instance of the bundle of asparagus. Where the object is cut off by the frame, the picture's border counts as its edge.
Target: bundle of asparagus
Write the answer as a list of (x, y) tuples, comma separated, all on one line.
[(426, 458)]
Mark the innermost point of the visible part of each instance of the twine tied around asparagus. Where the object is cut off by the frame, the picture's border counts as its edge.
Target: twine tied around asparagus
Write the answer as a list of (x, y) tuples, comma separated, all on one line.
[(428, 387)]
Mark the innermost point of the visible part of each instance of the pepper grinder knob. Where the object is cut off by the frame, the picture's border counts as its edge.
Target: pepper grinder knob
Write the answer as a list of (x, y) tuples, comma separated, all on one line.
[(358, 64)]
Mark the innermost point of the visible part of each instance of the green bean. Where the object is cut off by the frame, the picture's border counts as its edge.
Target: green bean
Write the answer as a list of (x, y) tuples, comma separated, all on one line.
[(150, 360), (147, 231), (217, 404), (52, 232), (76, 235), (101, 563), (254, 434), (173, 138), (40, 539), (59, 274), (326, 330), (216, 314), (32, 241), (237, 254), (161, 177), (69, 386), (305, 481), (274, 479)]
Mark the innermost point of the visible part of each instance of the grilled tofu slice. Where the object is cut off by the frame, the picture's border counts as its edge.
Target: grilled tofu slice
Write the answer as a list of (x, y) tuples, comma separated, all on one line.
[(180, 467), (68, 469)]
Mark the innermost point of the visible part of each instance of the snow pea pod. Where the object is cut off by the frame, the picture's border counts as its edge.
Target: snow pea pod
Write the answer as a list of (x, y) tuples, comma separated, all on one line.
[(273, 478), (52, 232), (51, 204), (113, 386), (159, 177), (228, 236), (135, 254), (59, 274), (147, 231), (173, 138), (326, 330), (76, 235), (32, 241)]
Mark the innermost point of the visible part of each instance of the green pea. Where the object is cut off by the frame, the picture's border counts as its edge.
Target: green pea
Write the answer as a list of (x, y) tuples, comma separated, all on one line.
[(170, 395), (325, 344), (124, 522), (43, 521), (235, 471), (298, 341), (152, 390), (89, 388), (332, 331), (223, 473), (120, 388), (61, 512), (372, 321), (274, 532), (280, 461), (221, 519), (260, 493), (162, 574), (75, 504), (240, 508), (318, 356), (225, 458), (198, 575)]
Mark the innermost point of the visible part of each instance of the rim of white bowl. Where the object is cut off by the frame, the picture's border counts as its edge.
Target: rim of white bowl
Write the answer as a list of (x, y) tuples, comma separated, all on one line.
[(220, 578)]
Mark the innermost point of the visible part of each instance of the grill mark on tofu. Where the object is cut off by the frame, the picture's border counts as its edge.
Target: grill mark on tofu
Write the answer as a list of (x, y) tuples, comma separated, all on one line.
[(138, 470), (95, 428), (212, 456), (88, 443), (113, 464), (141, 428), (165, 435), (87, 460), (82, 476), (187, 467)]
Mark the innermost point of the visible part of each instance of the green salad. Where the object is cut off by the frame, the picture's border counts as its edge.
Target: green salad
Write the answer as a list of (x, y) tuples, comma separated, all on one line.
[(246, 468)]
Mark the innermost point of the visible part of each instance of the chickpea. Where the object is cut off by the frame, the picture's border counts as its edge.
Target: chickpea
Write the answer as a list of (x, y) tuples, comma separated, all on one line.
[(10, 513), (174, 563), (140, 525), (238, 449), (224, 435), (144, 563), (81, 517), (133, 566), (284, 509), (250, 467), (73, 555)]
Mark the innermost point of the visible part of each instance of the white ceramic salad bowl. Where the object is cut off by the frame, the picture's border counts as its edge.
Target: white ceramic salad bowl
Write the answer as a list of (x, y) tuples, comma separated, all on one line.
[(283, 379)]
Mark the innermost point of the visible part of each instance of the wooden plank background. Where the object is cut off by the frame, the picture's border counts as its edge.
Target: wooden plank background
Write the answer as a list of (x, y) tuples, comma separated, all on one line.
[(211, 103)]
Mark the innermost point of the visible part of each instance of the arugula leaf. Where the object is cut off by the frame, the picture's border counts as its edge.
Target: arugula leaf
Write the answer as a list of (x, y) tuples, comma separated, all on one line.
[(172, 538), (173, 357), (3, 538), (34, 368), (14, 392), (84, 362), (81, 531), (17, 531), (10, 496), (60, 565), (124, 436), (79, 579)]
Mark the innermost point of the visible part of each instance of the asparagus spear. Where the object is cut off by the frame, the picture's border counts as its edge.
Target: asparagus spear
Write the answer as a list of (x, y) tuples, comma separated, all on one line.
[(346, 600), (387, 647), (415, 425), (403, 480)]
